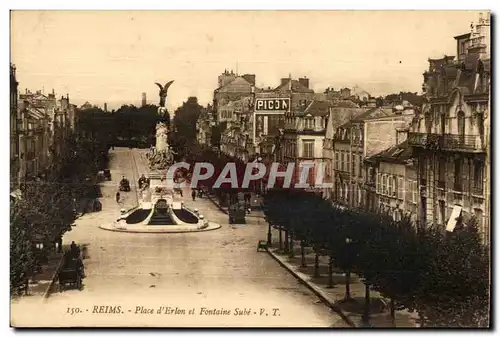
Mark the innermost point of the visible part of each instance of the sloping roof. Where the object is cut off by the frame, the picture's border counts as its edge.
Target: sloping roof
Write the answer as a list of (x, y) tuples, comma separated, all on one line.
[(296, 87), (316, 109), (399, 154), (236, 80), (374, 113), (341, 116)]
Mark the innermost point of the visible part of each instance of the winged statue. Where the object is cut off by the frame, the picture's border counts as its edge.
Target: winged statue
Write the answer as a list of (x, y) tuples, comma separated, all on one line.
[(163, 92)]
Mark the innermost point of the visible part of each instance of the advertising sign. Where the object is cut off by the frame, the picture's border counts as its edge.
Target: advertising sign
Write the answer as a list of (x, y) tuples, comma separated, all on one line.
[(272, 104)]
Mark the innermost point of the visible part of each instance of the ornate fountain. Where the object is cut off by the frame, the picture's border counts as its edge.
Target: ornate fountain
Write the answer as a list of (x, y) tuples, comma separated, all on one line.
[(160, 157)]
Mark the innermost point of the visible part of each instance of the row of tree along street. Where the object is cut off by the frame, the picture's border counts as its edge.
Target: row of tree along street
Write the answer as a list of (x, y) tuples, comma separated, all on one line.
[(47, 204), (443, 276)]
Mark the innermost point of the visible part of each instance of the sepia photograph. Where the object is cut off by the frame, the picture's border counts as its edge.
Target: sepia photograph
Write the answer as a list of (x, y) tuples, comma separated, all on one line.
[(250, 169)]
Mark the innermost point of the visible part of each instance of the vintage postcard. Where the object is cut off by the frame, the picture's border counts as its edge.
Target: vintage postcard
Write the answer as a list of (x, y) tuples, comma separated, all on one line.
[(250, 169)]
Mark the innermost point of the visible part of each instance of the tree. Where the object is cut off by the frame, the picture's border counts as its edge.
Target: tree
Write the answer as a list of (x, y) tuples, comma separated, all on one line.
[(454, 289), (21, 254)]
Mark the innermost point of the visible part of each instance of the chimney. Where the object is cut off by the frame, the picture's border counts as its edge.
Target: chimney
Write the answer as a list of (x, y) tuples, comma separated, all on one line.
[(284, 80), (249, 78), (304, 81)]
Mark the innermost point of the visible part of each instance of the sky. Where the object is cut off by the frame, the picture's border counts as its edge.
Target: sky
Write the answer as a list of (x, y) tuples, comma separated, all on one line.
[(115, 56)]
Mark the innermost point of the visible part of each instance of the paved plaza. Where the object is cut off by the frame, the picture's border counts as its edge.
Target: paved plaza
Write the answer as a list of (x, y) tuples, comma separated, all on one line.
[(213, 278)]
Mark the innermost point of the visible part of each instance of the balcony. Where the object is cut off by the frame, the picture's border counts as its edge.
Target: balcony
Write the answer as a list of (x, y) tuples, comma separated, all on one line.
[(447, 142), (462, 143)]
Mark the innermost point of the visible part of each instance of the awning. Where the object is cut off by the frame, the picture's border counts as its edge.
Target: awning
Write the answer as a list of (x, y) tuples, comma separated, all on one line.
[(455, 214)]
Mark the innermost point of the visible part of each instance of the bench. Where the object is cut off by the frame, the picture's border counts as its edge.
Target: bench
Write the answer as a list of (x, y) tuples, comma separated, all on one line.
[(262, 245)]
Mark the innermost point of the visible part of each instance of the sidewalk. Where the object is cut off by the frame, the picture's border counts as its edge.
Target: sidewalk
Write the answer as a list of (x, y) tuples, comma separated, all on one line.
[(256, 213), (40, 284), (350, 311)]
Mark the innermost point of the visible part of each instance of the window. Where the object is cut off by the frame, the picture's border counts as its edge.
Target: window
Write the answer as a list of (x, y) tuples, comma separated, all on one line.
[(458, 175), (348, 161), (400, 188), (390, 187), (442, 172), (308, 148), (423, 171), (360, 167), (442, 212), (377, 182), (478, 177), (461, 124), (342, 159), (337, 166), (414, 192), (384, 184), (309, 123), (353, 164)]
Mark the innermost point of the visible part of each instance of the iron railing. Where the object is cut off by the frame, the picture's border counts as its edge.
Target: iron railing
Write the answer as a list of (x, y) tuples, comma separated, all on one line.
[(431, 141), (460, 142)]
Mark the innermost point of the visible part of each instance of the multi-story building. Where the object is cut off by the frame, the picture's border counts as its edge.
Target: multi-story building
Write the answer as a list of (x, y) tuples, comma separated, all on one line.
[(272, 105), (204, 125), (337, 116), (361, 137), (55, 117), (232, 87), (302, 141), (451, 135), (34, 140), (14, 128), (391, 182), (238, 133)]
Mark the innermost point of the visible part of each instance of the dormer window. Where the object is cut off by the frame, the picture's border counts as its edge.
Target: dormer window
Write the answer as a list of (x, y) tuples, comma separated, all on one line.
[(309, 123)]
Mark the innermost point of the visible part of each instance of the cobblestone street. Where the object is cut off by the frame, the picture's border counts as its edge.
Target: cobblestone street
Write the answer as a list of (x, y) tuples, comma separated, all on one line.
[(214, 270)]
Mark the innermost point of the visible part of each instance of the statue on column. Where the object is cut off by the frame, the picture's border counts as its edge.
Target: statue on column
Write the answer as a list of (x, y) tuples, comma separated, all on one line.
[(161, 157)]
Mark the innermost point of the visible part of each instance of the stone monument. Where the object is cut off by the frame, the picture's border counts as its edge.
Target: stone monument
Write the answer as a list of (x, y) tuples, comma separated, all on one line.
[(160, 157)]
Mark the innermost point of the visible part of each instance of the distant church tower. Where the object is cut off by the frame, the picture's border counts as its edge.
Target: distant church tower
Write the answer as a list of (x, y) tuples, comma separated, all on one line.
[(105, 107), (143, 99)]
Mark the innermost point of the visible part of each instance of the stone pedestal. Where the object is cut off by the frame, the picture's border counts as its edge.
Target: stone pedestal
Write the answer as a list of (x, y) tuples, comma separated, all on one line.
[(161, 137)]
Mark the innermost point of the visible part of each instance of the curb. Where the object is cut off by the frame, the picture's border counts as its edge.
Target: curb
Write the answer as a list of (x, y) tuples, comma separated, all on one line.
[(136, 231), (217, 205), (322, 297), (47, 292)]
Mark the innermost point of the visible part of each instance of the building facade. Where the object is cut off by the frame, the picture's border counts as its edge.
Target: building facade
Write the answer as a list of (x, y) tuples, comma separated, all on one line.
[(363, 136), (273, 105), (232, 87), (14, 130), (337, 116), (391, 184), (451, 135), (44, 123), (302, 142)]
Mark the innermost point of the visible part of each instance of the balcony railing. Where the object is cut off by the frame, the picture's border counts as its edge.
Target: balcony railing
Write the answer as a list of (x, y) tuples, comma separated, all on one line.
[(431, 141), (477, 190), (461, 142)]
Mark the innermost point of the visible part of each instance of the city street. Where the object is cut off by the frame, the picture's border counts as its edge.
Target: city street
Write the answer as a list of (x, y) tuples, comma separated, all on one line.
[(195, 272)]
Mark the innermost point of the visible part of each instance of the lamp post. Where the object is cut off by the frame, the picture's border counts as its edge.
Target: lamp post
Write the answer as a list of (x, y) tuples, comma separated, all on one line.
[(348, 241), (269, 235)]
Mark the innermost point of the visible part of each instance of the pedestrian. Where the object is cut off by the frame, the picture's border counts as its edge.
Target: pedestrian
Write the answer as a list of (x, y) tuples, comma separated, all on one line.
[(193, 194), (118, 197)]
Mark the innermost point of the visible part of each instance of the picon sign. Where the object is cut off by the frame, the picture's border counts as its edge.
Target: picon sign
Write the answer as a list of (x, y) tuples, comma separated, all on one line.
[(272, 104)]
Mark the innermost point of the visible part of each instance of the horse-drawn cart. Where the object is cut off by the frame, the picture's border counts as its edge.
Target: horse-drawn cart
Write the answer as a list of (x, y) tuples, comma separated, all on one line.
[(71, 273), (124, 185)]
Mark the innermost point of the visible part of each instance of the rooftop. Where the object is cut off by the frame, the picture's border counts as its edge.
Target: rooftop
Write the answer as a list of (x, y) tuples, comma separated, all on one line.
[(399, 154)]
